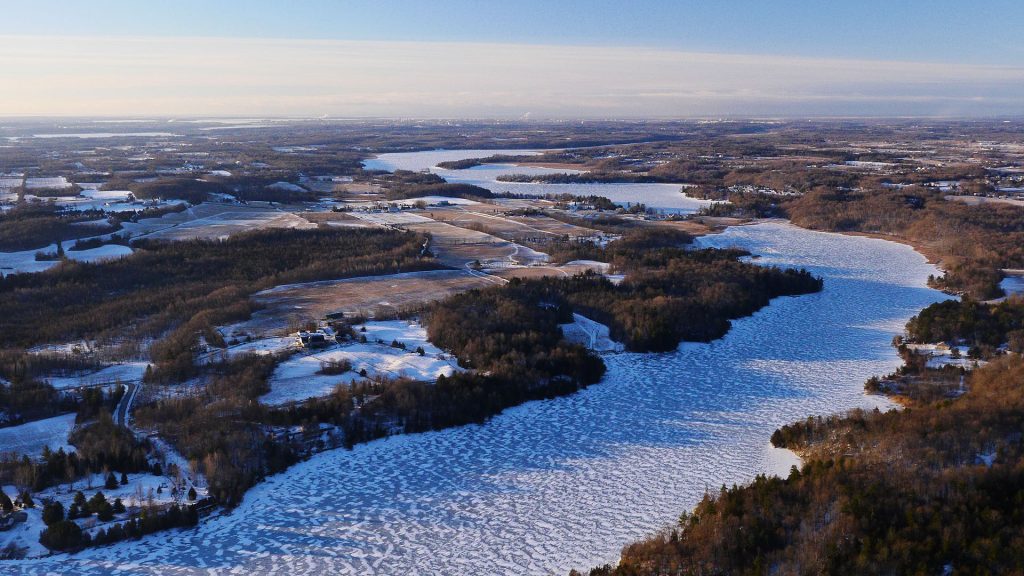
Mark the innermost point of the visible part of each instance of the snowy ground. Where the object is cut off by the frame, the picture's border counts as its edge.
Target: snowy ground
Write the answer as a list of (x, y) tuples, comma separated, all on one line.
[(593, 335), (31, 437), (565, 483), (56, 182), (106, 195), (25, 535), (391, 218), (272, 345), (297, 378), (439, 200), (940, 355), (125, 373), (779, 461), (105, 252), (141, 489), (25, 261), (214, 221), (286, 187)]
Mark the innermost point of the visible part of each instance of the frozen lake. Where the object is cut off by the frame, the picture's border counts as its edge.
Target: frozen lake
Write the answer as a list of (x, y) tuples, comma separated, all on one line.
[(562, 484), (663, 197)]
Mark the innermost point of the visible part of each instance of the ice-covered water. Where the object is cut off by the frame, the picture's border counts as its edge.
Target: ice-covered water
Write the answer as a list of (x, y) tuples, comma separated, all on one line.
[(558, 484), (663, 197)]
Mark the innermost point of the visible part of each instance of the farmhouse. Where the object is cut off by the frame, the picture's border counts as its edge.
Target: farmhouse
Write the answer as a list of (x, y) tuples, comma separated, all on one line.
[(312, 339)]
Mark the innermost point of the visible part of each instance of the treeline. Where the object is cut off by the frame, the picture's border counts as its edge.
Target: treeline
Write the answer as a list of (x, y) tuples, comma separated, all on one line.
[(25, 396), (99, 446), (66, 535), (83, 300), (671, 293), (931, 490), (186, 188), (974, 242), (513, 333), (474, 162), (220, 428), (517, 355), (582, 178), (33, 225), (978, 324), (406, 184), (455, 190)]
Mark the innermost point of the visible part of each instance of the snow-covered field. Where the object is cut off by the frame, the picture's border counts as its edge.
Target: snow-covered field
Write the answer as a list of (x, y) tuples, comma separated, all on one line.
[(286, 187), (435, 200), (391, 218), (593, 335), (140, 489), (297, 378), (29, 438), (25, 260), (107, 195), (56, 182), (106, 252), (662, 197), (125, 373), (565, 483), (214, 221)]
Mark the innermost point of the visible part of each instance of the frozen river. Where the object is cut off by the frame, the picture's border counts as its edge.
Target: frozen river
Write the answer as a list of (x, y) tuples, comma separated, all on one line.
[(565, 483), (663, 197)]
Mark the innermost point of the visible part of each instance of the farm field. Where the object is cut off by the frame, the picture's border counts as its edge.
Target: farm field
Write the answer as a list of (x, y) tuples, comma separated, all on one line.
[(370, 296)]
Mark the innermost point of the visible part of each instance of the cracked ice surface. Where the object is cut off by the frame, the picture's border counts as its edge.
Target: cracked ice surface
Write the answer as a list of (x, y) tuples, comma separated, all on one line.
[(565, 483)]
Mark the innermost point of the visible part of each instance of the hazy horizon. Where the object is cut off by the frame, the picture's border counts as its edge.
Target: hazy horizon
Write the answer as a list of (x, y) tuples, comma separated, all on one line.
[(595, 60)]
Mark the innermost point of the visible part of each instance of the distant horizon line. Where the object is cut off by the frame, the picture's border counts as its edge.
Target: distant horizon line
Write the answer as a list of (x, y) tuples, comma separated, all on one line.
[(412, 118)]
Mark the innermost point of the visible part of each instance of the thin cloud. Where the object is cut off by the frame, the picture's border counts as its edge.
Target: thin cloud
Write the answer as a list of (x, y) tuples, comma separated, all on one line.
[(204, 76)]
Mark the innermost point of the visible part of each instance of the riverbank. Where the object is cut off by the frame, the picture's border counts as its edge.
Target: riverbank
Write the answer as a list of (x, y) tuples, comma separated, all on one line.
[(564, 483)]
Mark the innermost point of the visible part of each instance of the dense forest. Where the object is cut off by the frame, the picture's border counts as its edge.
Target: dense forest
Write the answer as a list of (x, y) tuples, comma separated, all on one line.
[(474, 162), (224, 428), (582, 178), (33, 225), (83, 300), (406, 184), (671, 293), (935, 488), (951, 503), (976, 324), (100, 445)]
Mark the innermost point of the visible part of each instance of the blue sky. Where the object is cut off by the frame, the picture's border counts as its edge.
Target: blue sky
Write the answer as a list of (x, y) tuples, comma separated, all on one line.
[(460, 58), (980, 32)]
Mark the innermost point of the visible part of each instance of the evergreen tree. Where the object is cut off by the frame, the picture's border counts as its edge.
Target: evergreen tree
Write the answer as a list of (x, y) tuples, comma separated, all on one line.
[(111, 482), (97, 501), (5, 502), (53, 511), (124, 479), (63, 535)]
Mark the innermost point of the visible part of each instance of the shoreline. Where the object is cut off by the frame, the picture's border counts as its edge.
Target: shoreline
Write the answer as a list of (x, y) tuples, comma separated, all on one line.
[(922, 248), (784, 459)]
